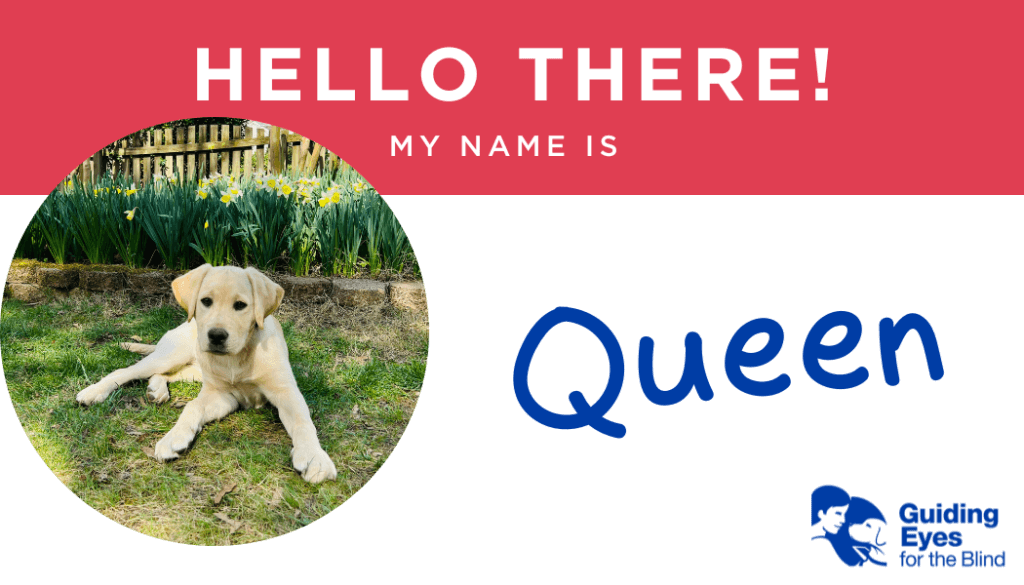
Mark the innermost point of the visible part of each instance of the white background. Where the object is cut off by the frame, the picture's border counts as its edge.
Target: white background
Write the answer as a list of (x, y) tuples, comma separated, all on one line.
[(717, 491)]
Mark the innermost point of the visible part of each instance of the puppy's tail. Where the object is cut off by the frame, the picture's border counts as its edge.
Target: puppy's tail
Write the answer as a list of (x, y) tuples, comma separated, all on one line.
[(139, 348)]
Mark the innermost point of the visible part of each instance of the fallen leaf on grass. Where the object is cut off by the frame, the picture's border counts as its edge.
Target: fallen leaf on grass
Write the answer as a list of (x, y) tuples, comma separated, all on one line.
[(233, 524), (130, 430), (136, 338), (275, 501), (355, 411), (149, 452), (223, 491)]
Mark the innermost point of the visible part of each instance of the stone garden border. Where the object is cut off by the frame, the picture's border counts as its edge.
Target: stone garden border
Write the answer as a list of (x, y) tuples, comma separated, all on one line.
[(33, 281)]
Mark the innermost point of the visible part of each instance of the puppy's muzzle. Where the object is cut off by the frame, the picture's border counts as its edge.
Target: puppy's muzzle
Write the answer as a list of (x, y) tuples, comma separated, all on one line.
[(218, 337)]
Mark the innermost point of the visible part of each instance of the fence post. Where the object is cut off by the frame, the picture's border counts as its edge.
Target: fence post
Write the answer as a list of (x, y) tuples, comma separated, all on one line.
[(247, 155), (313, 159), (179, 160), (99, 166), (137, 163), (236, 155), (259, 154), (275, 150), (225, 155), (299, 162), (191, 157), (211, 136)]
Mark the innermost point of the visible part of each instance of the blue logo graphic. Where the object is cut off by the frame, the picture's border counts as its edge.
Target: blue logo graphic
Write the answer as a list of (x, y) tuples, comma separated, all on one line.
[(851, 527)]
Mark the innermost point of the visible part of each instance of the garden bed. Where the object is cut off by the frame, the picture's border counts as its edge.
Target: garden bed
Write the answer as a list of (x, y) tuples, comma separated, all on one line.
[(32, 282)]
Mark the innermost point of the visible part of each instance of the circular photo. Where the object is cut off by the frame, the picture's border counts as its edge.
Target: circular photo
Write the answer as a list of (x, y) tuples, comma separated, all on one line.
[(214, 331)]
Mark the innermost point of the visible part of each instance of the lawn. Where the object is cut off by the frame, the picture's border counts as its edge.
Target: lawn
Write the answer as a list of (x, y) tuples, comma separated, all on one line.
[(360, 371)]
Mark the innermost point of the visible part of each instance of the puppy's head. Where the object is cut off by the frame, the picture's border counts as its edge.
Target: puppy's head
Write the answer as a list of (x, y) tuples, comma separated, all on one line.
[(228, 304)]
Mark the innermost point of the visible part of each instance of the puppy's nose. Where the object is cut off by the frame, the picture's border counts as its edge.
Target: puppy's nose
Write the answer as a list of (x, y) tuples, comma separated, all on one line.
[(218, 336)]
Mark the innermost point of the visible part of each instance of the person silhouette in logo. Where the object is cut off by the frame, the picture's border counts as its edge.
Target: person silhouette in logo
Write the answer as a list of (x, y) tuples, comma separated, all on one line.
[(828, 511), (859, 541)]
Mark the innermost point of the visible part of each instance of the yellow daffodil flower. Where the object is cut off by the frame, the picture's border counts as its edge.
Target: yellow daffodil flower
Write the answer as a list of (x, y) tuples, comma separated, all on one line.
[(286, 189), (335, 197), (130, 214), (358, 186), (323, 201), (226, 199), (201, 194), (206, 226), (272, 183)]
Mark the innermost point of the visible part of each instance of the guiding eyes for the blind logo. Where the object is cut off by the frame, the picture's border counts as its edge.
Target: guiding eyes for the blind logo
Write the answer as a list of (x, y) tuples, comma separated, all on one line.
[(852, 527)]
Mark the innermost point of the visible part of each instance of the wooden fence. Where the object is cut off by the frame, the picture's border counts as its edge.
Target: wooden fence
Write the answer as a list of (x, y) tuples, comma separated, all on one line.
[(202, 151)]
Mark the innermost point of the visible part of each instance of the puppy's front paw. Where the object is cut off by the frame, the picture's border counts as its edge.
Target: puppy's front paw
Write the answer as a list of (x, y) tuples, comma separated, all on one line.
[(157, 391), (171, 446), (313, 463), (96, 393)]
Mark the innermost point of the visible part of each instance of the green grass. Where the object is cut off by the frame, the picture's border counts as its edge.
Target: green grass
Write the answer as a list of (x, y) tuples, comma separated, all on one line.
[(360, 371)]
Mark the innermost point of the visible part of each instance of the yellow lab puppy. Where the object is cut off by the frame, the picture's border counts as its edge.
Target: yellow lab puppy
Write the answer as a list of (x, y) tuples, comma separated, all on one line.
[(232, 344)]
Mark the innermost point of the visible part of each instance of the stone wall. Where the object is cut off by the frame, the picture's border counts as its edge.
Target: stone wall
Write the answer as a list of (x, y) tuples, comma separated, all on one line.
[(32, 282)]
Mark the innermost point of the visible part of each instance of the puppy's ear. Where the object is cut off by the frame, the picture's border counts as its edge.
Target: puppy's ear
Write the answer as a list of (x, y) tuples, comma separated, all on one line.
[(266, 295), (186, 289)]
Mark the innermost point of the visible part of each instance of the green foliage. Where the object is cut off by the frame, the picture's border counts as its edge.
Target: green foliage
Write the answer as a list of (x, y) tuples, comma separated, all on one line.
[(302, 240), (339, 222), (52, 218), (33, 243), (88, 223), (264, 227), (169, 211), (126, 234)]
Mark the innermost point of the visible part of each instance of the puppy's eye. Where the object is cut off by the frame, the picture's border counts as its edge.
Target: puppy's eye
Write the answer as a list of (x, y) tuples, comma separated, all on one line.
[(240, 305), (207, 301)]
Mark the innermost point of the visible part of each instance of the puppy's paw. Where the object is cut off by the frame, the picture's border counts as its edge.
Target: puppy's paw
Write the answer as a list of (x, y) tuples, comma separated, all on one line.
[(314, 464), (171, 446), (96, 393), (158, 392)]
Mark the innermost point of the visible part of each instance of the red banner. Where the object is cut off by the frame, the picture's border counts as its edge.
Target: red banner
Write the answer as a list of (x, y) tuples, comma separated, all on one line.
[(921, 97)]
